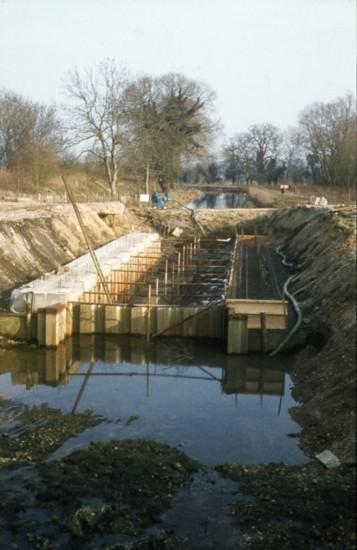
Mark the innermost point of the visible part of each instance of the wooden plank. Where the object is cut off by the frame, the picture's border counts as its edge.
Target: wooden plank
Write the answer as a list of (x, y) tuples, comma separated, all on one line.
[(272, 321), (257, 306), (87, 316)]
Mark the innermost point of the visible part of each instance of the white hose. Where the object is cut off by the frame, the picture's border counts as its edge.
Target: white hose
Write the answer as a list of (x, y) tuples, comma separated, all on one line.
[(283, 261), (294, 304)]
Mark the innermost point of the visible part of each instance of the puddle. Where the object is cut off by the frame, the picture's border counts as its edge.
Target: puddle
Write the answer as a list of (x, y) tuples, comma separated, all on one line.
[(200, 512), (186, 393), (219, 201)]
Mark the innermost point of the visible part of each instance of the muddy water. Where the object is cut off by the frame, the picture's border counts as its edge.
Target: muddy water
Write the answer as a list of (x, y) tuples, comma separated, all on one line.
[(219, 201), (188, 394)]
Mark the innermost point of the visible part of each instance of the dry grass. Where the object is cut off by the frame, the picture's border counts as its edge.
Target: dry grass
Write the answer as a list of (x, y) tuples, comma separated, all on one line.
[(260, 197), (298, 195), (334, 195)]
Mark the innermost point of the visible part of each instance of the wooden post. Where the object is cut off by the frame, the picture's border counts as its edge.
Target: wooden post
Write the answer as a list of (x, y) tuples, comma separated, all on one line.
[(263, 331), (237, 338), (148, 317), (165, 279), (147, 179), (173, 278), (157, 290)]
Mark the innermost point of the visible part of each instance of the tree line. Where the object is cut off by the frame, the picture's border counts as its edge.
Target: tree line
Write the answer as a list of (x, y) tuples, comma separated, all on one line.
[(148, 126), (163, 129), (321, 149)]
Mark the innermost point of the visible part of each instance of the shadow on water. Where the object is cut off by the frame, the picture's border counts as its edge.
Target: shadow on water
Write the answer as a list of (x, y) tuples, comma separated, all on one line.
[(219, 201), (186, 393)]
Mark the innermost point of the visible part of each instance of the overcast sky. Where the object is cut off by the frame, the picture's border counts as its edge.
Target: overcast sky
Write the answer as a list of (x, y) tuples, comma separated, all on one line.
[(265, 59)]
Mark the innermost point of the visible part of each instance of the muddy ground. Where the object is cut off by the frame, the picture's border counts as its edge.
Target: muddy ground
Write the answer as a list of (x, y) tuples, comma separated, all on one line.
[(276, 506)]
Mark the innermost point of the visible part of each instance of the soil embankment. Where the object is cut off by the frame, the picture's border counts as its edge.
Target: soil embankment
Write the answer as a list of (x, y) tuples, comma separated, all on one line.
[(322, 246), (37, 238)]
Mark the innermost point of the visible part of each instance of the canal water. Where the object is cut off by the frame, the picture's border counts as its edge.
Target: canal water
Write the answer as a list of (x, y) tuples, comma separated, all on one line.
[(186, 393), (219, 201)]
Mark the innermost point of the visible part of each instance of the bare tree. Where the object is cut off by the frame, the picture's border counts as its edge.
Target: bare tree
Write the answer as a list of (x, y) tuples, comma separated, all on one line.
[(254, 153), (232, 160), (30, 136), (328, 132), (170, 121), (96, 120), (263, 141)]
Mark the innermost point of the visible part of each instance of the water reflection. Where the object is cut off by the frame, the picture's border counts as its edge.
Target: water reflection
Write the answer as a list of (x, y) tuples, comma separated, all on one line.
[(219, 201), (55, 367), (186, 393)]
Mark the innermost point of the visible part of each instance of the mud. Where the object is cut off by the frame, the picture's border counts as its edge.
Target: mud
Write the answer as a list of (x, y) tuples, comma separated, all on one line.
[(30, 434), (164, 541), (133, 481), (116, 488), (294, 506)]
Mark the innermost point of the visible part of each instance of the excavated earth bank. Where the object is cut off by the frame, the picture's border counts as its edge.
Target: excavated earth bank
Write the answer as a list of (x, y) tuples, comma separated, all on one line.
[(287, 507), (37, 238)]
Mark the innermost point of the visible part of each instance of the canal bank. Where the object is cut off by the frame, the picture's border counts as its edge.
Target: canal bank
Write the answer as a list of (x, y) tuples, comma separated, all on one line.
[(318, 503)]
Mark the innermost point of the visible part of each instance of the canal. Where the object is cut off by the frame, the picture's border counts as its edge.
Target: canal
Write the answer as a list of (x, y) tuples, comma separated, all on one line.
[(219, 201)]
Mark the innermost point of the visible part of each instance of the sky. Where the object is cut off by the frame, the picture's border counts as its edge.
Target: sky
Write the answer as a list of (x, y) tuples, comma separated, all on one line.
[(265, 59)]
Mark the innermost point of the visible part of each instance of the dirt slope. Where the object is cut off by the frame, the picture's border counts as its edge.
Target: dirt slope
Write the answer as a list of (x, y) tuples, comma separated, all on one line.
[(36, 238), (322, 244)]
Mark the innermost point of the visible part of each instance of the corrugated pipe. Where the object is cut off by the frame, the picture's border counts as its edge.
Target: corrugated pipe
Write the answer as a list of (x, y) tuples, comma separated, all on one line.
[(294, 303)]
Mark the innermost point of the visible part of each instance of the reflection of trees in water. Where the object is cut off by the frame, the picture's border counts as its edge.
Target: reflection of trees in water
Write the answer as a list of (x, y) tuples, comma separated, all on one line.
[(233, 200), (211, 201), (223, 200)]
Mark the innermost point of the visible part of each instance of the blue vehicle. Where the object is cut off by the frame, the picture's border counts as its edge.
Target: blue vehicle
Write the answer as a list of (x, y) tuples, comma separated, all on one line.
[(158, 201)]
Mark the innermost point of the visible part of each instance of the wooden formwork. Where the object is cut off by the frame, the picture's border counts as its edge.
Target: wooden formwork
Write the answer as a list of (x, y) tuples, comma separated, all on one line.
[(275, 311), (121, 281), (245, 317), (198, 321)]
